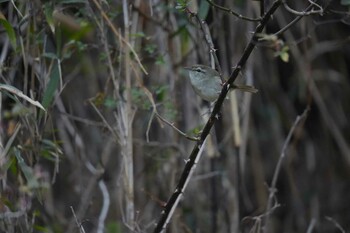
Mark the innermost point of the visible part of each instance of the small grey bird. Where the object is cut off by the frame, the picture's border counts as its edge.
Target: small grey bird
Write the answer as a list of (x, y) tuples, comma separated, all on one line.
[(206, 82)]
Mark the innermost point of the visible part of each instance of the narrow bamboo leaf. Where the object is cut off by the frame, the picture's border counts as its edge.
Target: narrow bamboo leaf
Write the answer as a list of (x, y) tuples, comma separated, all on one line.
[(9, 29), (27, 171), (20, 94), (48, 12), (10, 141), (55, 77)]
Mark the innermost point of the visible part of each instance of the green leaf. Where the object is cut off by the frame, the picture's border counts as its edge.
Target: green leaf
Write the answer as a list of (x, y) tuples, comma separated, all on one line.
[(10, 31), (181, 5), (138, 35), (160, 60), (48, 12), (113, 227), (110, 103), (55, 77), (50, 150), (41, 229), (203, 9), (284, 56), (150, 48), (27, 171)]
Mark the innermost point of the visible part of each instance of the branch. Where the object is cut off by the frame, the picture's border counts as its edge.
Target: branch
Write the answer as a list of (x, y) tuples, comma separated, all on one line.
[(205, 29), (273, 189), (228, 10), (304, 13), (195, 154), (294, 21), (176, 129)]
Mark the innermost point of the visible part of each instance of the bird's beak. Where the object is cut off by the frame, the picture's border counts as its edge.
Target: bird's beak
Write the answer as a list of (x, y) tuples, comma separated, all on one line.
[(187, 68)]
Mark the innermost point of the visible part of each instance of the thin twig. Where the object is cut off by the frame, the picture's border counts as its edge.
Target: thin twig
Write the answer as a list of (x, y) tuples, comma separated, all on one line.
[(205, 29), (79, 225), (304, 13), (176, 129), (294, 21), (337, 225), (228, 10), (150, 98), (273, 189), (117, 138)]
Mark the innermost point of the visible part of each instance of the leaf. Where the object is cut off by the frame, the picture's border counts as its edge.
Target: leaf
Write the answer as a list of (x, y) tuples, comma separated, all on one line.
[(203, 9), (10, 141), (284, 56), (48, 12), (27, 171), (55, 77), (10, 31), (20, 94)]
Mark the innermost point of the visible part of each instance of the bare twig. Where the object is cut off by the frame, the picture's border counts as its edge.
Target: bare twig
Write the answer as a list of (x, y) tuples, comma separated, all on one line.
[(304, 13), (294, 21), (117, 138), (273, 189), (228, 10), (337, 225), (79, 225), (105, 206), (176, 129)]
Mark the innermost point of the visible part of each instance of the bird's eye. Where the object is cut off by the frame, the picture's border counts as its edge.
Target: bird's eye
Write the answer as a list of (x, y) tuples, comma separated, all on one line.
[(199, 70)]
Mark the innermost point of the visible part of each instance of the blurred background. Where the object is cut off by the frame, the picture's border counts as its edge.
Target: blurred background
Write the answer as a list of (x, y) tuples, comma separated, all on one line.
[(100, 160)]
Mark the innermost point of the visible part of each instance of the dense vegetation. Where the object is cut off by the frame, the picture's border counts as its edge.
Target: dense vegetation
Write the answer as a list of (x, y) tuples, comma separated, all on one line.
[(98, 117)]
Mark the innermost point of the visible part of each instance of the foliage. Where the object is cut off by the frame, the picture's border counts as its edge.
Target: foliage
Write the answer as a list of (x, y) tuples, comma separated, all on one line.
[(96, 113)]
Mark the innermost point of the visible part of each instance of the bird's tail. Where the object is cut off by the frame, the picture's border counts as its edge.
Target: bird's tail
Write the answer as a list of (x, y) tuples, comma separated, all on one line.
[(245, 88)]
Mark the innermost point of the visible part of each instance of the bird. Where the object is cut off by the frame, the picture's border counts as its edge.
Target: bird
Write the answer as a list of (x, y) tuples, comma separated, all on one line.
[(206, 82)]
